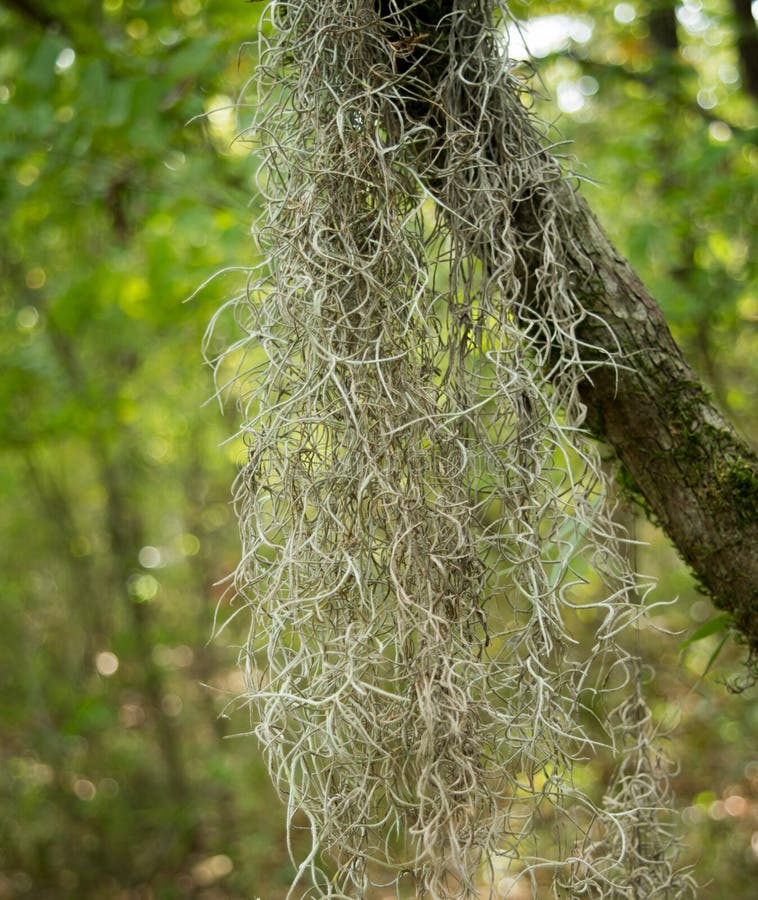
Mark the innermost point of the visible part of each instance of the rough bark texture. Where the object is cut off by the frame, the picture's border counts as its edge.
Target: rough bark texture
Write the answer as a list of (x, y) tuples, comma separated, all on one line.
[(694, 474), (682, 460)]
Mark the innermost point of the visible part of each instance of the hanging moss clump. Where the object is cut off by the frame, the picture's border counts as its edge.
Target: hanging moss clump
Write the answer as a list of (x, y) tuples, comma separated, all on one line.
[(421, 510)]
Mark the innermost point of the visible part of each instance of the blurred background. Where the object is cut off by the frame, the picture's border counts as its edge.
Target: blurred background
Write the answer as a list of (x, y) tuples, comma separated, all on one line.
[(125, 771)]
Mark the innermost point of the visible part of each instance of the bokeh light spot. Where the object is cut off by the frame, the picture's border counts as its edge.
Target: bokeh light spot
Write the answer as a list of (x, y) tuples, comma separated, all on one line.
[(143, 587), (149, 557), (84, 789), (189, 544), (736, 805), (27, 318), (66, 59), (36, 278), (27, 175), (137, 29), (212, 869), (106, 663), (624, 13), (719, 132)]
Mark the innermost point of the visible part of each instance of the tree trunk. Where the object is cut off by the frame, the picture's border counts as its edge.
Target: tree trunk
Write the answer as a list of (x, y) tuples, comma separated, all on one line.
[(747, 44)]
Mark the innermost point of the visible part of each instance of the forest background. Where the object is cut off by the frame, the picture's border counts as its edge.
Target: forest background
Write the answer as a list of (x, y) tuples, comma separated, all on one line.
[(123, 191)]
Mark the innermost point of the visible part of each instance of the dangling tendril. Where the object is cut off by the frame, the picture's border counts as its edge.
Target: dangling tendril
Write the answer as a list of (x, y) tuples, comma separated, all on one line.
[(422, 514)]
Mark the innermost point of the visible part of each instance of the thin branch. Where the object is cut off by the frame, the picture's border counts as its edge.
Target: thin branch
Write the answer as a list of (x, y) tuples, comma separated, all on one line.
[(747, 45), (35, 13)]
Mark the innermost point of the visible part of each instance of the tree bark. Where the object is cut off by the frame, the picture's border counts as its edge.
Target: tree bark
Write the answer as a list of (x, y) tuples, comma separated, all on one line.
[(682, 461), (695, 476)]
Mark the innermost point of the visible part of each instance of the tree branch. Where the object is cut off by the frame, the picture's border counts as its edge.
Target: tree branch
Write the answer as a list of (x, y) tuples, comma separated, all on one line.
[(662, 23), (747, 44), (77, 31), (694, 475), (33, 12), (697, 477)]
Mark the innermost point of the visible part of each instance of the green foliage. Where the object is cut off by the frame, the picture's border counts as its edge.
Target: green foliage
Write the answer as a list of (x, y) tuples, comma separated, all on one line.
[(669, 141), (716, 625), (115, 528), (115, 524)]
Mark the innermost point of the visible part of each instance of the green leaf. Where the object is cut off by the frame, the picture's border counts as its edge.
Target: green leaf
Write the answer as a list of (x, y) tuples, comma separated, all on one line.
[(712, 626), (714, 656)]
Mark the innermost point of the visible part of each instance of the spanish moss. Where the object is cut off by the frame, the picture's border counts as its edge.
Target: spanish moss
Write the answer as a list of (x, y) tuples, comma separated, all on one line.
[(424, 520)]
